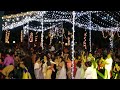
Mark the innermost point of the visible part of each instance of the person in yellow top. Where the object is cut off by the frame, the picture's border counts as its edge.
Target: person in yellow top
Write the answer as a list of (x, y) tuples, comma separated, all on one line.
[(49, 70), (116, 71), (83, 57), (26, 74), (6, 71), (90, 57)]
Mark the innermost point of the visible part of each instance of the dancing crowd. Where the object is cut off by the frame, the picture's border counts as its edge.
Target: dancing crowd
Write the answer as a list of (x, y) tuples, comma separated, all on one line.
[(54, 61), (21, 62), (36, 63)]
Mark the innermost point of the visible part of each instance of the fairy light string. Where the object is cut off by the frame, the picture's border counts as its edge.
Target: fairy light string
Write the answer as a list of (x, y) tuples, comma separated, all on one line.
[(84, 42), (73, 30), (90, 31)]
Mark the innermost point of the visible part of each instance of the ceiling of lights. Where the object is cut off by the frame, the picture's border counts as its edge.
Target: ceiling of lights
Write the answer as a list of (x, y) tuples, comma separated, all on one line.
[(105, 19)]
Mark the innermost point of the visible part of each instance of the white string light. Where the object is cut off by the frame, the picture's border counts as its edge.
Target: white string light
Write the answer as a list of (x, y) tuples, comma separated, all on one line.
[(36, 36), (42, 31), (7, 36), (31, 37), (90, 31), (73, 29), (111, 40), (84, 42), (21, 36), (104, 35), (27, 31), (18, 15), (63, 16)]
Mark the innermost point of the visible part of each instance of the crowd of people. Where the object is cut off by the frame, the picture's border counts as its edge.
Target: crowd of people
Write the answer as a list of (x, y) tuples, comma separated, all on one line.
[(35, 63), (54, 61), (23, 61), (98, 64)]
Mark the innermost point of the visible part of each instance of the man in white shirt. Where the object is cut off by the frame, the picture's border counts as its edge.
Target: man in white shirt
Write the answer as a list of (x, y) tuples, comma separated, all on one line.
[(108, 66), (90, 72)]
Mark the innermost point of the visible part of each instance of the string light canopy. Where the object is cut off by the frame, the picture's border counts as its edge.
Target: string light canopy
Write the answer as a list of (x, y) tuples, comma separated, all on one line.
[(100, 20)]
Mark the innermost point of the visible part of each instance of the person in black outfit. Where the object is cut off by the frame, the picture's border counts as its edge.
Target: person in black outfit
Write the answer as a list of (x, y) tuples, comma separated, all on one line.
[(53, 76)]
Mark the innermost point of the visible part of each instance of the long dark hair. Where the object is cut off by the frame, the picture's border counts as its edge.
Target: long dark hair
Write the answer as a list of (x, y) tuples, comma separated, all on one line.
[(48, 63), (79, 64), (88, 64), (37, 57)]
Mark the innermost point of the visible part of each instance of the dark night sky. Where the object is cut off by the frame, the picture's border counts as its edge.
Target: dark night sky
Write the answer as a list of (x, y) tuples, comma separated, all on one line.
[(1, 14)]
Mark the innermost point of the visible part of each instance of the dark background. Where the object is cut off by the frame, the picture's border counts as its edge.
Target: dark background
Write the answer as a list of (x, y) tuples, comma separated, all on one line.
[(1, 14)]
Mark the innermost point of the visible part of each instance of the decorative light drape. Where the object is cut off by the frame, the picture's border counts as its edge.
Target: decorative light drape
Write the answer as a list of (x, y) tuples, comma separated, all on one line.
[(73, 30), (42, 31), (7, 36), (31, 37), (90, 31), (21, 36), (111, 40), (84, 42)]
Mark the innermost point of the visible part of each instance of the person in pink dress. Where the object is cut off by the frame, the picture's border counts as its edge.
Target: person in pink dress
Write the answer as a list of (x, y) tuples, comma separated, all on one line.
[(9, 60)]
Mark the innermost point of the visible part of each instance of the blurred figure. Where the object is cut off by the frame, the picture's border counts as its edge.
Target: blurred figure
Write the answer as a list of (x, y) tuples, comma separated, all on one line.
[(8, 59), (108, 66), (38, 69)]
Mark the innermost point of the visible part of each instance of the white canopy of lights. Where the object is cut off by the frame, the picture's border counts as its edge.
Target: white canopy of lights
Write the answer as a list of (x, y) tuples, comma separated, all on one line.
[(16, 20)]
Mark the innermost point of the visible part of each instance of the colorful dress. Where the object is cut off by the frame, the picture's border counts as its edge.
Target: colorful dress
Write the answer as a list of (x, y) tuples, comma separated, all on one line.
[(26, 74), (48, 73), (44, 70), (69, 71)]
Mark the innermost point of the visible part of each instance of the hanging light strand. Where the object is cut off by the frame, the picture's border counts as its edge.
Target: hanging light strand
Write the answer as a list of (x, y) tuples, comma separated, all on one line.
[(7, 36), (104, 35), (90, 31), (42, 31), (84, 42), (36, 36), (111, 40), (21, 37), (31, 37), (73, 28)]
